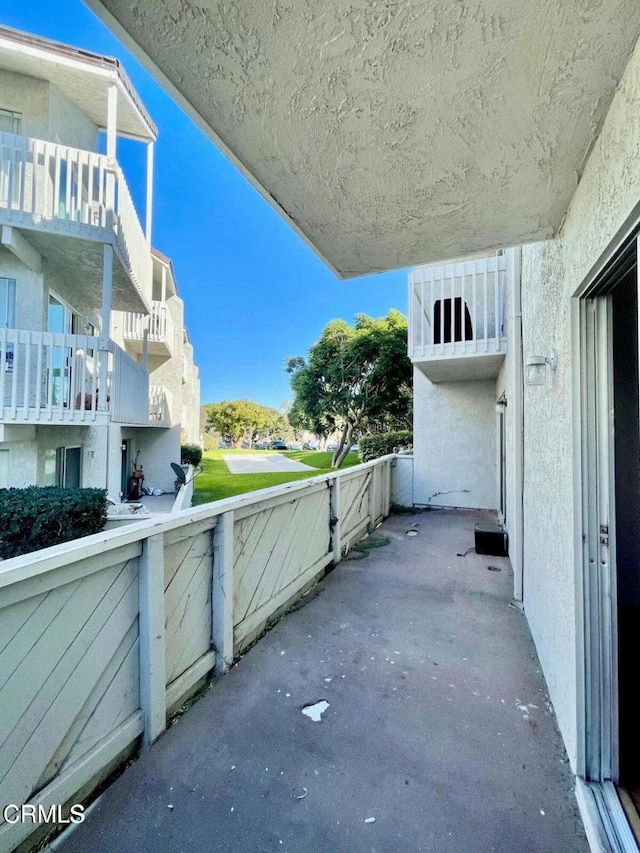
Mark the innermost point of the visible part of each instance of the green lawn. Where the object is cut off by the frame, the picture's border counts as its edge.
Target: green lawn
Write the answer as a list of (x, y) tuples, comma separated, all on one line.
[(216, 481)]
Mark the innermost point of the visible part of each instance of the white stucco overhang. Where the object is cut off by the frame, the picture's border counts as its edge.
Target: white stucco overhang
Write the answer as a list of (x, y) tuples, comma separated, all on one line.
[(83, 77), (394, 132)]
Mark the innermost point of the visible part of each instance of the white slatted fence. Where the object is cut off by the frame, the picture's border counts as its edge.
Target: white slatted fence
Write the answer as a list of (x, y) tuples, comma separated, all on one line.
[(102, 637)]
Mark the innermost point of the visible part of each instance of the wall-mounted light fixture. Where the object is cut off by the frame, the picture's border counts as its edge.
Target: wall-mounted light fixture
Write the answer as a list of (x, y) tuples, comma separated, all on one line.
[(536, 368)]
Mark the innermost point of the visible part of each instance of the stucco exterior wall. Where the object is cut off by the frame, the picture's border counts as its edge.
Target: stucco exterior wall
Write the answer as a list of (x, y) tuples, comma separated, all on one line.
[(553, 271), (30, 97), (92, 440), (158, 449), (46, 112), (30, 306), (190, 416), (168, 372), (22, 458), (69, 125), (455, 454)]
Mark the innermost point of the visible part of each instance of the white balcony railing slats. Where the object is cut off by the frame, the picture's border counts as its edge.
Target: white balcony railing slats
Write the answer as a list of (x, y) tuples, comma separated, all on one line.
[(158, 324), (129, 392), (47, 377), (159, 406), (457, 309), (237, 579), (55, 187)]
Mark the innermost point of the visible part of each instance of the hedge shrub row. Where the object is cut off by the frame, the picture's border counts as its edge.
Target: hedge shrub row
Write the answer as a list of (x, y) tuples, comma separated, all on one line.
[(190, 454), (40, 516), (388, 442)]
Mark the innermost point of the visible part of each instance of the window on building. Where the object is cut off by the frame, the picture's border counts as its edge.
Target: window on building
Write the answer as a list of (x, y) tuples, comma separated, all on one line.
[(7, 303), (50, 474), (10, 121), (62, 467)]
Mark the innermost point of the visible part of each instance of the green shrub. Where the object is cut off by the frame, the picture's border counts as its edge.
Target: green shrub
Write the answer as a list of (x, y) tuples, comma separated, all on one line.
[(40, 516), (388, 442), (190, 454)]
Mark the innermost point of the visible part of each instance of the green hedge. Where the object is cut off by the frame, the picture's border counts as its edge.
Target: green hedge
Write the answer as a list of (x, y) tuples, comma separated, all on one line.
[(388, 442), (40, 516), (190, 454)]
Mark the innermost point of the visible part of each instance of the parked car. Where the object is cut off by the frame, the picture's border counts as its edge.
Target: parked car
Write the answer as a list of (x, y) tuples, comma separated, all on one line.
[(310, 445), (333, 446), (278, 445), (260, 445), (245, 445), (354, 448), (294, 447), (222, 445)]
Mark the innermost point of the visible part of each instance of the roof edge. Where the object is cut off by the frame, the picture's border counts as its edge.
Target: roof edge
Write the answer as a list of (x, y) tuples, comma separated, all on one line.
[(97, 60)]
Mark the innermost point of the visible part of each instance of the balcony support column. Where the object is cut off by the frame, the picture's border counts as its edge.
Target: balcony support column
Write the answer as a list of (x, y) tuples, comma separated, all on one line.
[(149, 202), (104, 345), (107, 287), (112, 120), (112, 124)]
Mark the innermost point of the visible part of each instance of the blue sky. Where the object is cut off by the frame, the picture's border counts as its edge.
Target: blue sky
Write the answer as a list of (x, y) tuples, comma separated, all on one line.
[(254, 293)]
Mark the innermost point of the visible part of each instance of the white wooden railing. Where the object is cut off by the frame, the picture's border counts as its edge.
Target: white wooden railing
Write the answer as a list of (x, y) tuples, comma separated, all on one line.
[(103, 637), (52, 377), (159, 406), (47, 186), (45, 376), (457, 309), (158, 325), (129, 389)]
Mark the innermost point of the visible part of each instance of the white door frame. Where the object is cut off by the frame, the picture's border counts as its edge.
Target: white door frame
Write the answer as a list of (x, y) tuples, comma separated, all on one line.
[(596, 599), (600, 761)]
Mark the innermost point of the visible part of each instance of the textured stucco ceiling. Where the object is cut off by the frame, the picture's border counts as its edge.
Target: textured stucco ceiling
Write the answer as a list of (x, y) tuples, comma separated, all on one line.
[(395, 132)]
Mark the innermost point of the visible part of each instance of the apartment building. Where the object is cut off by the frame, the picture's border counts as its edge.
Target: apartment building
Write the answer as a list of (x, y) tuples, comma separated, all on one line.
[(91, 324)]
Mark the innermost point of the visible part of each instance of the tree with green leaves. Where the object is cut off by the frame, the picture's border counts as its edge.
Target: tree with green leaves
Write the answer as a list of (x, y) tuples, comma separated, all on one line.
[(354, 378), (233, 419)]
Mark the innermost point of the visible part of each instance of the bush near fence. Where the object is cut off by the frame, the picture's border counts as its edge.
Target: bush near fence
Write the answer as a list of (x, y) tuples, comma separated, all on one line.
[(375, 446), (190, 454), (40, 516)]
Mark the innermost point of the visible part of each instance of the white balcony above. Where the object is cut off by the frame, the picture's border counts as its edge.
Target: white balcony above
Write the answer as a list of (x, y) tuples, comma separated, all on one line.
[(456, 318), (51, 378), (159, 406), (158, 326), (67, 202)]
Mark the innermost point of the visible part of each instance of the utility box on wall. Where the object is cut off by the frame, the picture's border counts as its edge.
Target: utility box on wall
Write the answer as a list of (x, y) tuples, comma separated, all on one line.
[(491, 539)]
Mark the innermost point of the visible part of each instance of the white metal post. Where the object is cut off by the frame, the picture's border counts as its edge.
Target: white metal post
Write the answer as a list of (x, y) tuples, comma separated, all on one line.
[(152, 641), (386, 503), (105, 331), (222, 593), (145, 349), (149, 202), (371, 494), (107, 287), (112, 124), (334, 511)]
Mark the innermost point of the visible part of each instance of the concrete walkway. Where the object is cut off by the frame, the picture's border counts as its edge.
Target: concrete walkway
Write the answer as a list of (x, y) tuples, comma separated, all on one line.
[(438, 735), (270, 462)]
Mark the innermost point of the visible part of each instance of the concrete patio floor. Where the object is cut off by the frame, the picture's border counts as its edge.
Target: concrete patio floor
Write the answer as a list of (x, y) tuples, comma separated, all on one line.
[(438, 724)]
